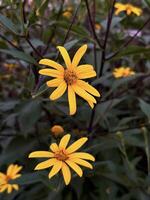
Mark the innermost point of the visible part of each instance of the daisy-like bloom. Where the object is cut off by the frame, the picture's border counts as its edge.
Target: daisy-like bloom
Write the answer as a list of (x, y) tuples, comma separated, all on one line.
[(70, 78), (11, 174), (128, 8), (57, 130), (63, 158), (123, 72)]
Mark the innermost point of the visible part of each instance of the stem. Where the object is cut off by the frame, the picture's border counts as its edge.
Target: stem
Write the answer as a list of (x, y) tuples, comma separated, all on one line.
[(54, 29), (110, 15), (4, 38), (129, 41), (69, 29), (92, 25), (34, 49), (145, 133)]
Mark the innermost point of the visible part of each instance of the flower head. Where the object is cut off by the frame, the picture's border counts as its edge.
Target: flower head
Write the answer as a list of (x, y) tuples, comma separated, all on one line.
[(57, 130), (62, 157), (69, 78), (129, 8), (123, 72), (11, 174)]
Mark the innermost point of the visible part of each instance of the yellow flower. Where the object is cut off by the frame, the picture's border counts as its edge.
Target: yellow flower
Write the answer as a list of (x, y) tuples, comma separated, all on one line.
[(70, 78), (123, 72), (57, 130), (98, 26), (11, 174), (10, 66), (62, 157), (129, 8), (68, 12)]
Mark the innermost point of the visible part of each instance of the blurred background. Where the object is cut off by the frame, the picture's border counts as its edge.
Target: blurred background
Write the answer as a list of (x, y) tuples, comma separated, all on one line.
[(118, 128)]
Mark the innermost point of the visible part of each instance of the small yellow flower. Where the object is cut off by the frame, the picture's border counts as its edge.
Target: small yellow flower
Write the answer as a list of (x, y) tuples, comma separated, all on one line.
[(57, 130), (129, 8), (70, 78), (68, 12), (98, 26), (123, 72), (11, 174), (63, 157), (10, 66)]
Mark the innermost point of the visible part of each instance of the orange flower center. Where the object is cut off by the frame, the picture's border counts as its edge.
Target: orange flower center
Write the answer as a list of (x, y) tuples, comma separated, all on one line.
[(60, 155), (70, 77), (7, 178), (129, 9)]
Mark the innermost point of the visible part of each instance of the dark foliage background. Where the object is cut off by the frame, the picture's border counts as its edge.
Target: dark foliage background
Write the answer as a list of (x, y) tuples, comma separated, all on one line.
[(118, 127)]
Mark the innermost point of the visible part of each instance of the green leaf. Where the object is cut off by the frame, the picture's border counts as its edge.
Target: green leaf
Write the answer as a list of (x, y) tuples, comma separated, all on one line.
[(40, 91), (132, 50), (29, 115), (147, 2), (17, 149), (8, 24), (19, 55), (29, 178), (145, 107)]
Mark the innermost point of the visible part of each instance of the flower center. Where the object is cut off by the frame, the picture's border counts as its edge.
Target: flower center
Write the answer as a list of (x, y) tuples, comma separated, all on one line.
[(7, 178), (70, 77), (60, 155)]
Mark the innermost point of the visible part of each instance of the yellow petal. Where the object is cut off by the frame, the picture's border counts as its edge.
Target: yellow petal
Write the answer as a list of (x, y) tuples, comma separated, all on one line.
[(87, 74), (2, 175), (82, 93), (66, 173), (75, 167), (15, 186), (55, 82), (51, 72), (10, 169), (82, 162), (84, 85), (137, 11), (46, 164), (83, 155), (16, 176), (76, 145), (64, 141), (41, 154), (77, 57), (65, 56), (119, 5), (84, 68), (3, 188), (59, 91), (91, 104), (72, 100), (9, 189), (56, 168), (54, 147), (51, 63), (15, 170)]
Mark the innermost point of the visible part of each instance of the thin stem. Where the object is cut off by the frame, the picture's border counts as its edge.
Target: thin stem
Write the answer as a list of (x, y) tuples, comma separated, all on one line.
[(23, 11), (110, 15), (54, 29), (145, 133), (129, 41), (69, 29), (92, 25), (34, 49), (4, 38)]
